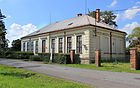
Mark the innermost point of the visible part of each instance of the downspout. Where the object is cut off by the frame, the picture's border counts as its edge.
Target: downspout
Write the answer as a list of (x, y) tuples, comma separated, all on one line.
[(110, 45)]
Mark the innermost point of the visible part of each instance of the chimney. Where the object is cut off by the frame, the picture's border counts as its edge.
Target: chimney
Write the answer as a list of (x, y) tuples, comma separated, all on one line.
[(98, 15), (79, 14)]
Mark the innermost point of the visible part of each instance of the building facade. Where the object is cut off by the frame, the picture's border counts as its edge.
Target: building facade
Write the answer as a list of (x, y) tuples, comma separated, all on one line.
[(82, 34)]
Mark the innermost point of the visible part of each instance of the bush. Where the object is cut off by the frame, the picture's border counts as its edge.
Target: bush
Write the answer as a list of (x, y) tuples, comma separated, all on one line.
[(61, 58), (77, 59), (35, 58), (45, 57), (23, 55), (57, 58), (17, 54)]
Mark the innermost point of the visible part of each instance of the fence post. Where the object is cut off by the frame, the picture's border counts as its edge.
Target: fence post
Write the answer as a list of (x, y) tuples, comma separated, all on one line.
[(97, 58), (134, 61), (72, 53)]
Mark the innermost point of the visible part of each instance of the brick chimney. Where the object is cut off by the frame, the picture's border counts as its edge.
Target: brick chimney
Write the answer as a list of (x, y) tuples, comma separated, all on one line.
[(98, 15), (79, 14)]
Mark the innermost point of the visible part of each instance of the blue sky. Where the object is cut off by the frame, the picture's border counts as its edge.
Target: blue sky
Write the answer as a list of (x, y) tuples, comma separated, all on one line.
[(26, 16)]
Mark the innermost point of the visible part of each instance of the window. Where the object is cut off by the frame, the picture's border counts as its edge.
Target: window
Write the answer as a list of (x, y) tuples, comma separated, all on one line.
[(43, 46), (114, 45), (32, 46), (121, 46), (69, 44), (28, 46), (36, 47), (106, 44), (24, 46), (53, 45), (79, 44), (60, 45)]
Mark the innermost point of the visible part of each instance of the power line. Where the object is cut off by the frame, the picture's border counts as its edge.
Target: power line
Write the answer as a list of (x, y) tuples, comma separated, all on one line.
[(124, 9)]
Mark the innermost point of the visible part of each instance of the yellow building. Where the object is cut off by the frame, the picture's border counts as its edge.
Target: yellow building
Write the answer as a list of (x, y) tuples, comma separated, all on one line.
[(84, 34)]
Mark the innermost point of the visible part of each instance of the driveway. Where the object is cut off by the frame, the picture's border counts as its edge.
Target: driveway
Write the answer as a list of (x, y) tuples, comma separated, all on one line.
[(99, 79)]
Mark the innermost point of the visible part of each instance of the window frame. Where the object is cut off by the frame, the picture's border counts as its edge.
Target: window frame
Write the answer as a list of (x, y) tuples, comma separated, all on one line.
[(36, 46), (69, 44), (43, 46), (53, 45), (60, 45), (79, 44), (28, 46), (24, 44), (32, 46)]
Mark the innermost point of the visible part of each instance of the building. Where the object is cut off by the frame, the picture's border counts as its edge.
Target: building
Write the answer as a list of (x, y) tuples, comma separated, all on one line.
[(84, 34)]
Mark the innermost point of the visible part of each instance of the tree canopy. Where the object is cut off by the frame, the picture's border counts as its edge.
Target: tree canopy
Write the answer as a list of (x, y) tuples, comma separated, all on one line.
[(134, 37), (107, 17), (16, 45), (3, 41)]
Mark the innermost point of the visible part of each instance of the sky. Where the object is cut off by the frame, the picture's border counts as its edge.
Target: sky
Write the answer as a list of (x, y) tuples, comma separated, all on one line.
[(26, 16)]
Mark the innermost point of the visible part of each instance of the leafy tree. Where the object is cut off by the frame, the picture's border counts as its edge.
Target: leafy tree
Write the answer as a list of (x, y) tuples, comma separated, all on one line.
[(16, 45), (134, 37), (107, 17), (3, 41)]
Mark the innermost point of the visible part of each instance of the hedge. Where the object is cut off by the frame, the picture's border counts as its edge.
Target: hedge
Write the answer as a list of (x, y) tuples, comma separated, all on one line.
[(57, 57), (60, 58), (17, 54), (35, 58)]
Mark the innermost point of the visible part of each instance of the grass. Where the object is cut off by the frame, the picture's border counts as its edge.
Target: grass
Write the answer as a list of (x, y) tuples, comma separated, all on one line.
[(120, 67), (11, 77)]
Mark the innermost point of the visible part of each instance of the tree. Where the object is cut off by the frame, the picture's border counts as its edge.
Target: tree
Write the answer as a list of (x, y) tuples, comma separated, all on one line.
[(107, 17), (3, 41), (134, 37), (16, 45)]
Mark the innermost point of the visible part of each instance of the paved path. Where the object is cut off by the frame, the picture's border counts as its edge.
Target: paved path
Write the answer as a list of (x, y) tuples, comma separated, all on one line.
[(99, 79)]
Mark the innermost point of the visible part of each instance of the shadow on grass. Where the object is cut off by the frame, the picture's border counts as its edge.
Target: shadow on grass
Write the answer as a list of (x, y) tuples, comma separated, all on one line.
[(18, 75), (30, 66)]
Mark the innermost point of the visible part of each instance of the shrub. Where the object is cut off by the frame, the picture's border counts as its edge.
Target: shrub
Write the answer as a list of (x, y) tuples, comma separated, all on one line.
[(35, 58), (57, 58), (61, 58), (77, 59), (23, 55), (45, 59), (17, 54)]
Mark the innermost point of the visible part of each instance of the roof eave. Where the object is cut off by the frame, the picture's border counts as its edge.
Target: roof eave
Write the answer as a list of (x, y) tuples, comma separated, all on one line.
[(75, 27)]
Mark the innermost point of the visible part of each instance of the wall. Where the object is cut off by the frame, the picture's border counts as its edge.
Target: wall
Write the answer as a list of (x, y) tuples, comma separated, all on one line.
[(84, 31), (101, 40), (90, 42)]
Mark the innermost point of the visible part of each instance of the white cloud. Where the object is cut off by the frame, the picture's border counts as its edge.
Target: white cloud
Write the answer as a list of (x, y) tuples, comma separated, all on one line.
[(17, 31), (131, 13), (137, 2), (129, 27), (113, 3)]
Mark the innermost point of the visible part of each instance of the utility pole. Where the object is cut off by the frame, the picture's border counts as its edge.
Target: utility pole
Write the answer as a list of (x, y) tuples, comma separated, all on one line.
[(85, 7)]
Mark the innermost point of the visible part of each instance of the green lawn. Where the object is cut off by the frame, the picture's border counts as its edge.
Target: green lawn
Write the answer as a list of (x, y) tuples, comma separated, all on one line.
[(120, 67), (18, 78)]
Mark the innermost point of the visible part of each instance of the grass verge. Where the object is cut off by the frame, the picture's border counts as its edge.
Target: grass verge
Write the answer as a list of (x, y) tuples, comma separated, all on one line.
[(121, 67), (11, 77)]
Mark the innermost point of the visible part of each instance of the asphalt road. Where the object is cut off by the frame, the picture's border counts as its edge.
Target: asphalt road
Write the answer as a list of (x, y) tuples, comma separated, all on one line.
[(99, 79)]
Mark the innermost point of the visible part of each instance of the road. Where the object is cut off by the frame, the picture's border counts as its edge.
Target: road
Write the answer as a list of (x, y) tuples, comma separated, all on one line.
[(99, 79)]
